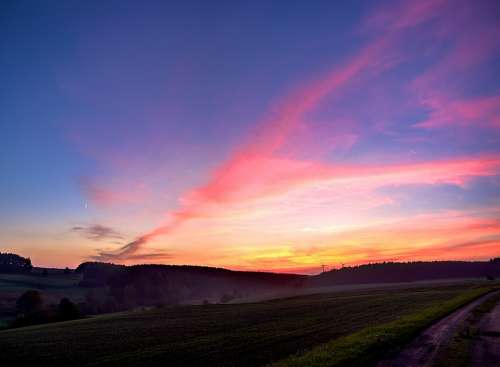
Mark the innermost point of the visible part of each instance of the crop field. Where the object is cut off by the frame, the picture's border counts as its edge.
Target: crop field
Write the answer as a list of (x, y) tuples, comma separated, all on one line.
[(224, 335)]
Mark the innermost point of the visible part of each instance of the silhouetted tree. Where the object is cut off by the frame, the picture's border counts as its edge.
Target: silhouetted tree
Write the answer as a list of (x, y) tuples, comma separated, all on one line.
[(30, 310), (29, 303), (12, 263), (67, 270), (67, 310)]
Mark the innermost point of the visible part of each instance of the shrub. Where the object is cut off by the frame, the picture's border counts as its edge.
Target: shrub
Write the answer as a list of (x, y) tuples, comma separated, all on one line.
[(30, 302), (30, 310), (67, 310)]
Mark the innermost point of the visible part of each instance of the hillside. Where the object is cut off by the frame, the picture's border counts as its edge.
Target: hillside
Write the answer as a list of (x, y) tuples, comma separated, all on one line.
[(250, 334), (102, 288), (147, 285), (53, 287), (127, 287), (394, 272)]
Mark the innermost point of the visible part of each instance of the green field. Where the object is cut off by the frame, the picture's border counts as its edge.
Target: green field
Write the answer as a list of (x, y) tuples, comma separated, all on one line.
[(224, 335), (366, 346)]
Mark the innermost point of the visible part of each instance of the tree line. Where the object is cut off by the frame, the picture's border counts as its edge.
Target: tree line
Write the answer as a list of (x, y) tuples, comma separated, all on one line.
[(13, 263), (32, 310)]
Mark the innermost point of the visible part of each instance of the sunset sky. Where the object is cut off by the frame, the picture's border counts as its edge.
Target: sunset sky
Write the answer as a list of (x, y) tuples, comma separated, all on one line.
[(252, 135)]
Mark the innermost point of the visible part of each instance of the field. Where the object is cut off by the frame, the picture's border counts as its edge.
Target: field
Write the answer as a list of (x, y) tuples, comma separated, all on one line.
[(229, 335), (54, 287)]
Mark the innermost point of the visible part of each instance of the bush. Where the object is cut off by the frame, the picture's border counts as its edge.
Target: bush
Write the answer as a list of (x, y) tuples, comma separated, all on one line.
[(67, 310), (30, 302), (30, 310)]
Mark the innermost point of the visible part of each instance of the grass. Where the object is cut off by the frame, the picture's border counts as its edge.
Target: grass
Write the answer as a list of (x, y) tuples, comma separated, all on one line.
[(369, 344), (240, 334)]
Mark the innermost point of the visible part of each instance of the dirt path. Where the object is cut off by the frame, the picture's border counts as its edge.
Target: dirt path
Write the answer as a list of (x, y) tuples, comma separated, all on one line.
[(486, 350), (423, 350)]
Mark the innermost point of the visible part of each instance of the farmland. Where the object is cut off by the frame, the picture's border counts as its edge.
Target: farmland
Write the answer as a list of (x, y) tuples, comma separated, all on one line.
[(233, 334), (54, 287)]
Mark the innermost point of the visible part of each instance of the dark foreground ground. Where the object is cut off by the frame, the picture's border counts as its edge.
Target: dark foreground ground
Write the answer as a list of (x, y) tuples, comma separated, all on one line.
[(236, 334)]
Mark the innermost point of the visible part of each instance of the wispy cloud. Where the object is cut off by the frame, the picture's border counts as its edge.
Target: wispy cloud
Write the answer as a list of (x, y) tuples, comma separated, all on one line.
[(98, 232), (441, 89), (108, 195), (477, 111), (156, 256)]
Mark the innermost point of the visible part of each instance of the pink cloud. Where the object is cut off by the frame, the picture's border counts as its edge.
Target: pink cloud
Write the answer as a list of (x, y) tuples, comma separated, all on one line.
[(440, 89), (117, 195), (261, 178), (468, 49), (258, 169), (400, 15), (255, 158), (479, 111), (343, 141), (457, 171)]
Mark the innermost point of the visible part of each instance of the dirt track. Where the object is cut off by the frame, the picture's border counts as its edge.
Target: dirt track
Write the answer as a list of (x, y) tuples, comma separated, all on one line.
[(424, 349), (486, 350)]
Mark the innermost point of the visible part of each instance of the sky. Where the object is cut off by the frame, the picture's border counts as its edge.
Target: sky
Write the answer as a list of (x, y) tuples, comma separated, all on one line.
[(263, 135)]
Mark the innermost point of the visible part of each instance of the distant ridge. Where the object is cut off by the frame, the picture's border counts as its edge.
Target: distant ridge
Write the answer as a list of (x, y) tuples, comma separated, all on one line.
[(390, 272)]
